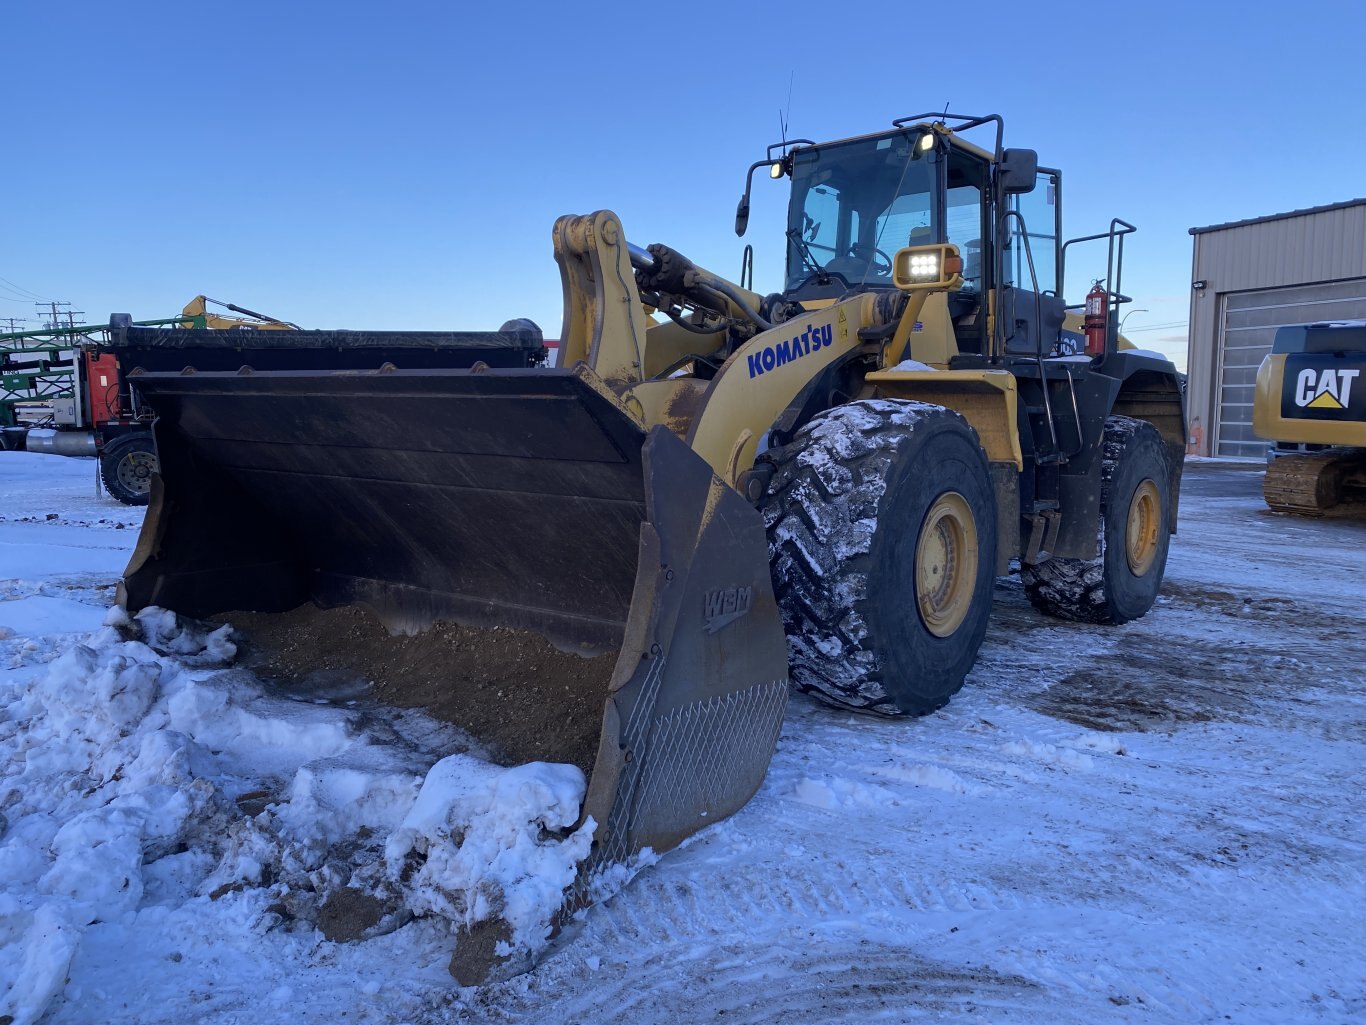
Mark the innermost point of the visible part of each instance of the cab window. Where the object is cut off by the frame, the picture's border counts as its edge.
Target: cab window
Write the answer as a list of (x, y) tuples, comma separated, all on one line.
[(1040, 212)]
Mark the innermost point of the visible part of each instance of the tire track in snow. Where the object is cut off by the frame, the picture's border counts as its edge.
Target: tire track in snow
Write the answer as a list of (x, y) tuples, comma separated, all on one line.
[(862, 959), (1159, 846), (1208, 655), (780, 976)]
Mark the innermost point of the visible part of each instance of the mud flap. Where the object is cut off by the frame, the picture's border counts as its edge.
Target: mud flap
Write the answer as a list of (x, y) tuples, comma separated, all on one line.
[(508, 498)]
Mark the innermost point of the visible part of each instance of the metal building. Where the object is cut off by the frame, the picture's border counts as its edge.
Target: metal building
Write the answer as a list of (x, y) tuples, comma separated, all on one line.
[(1248, 278)]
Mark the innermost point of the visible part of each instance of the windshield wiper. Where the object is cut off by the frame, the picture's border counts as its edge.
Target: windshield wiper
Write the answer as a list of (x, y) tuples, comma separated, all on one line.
[(822, 276)]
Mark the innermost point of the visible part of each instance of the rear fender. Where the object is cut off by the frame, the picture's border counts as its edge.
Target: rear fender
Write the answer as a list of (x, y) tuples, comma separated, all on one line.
[(1150, 391)]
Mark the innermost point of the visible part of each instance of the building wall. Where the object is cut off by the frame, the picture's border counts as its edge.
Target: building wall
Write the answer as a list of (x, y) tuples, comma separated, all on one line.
[(1306, 247)]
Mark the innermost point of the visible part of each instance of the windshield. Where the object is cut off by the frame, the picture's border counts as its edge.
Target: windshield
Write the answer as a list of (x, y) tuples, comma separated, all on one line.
[(854, 205)]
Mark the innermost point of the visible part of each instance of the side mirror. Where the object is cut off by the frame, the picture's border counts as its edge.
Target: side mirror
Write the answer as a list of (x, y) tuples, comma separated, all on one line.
[(742, 215), (1018, 171)]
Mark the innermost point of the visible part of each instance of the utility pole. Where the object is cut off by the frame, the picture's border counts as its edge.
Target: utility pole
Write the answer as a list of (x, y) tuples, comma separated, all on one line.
[(13, 322), (56, 320)]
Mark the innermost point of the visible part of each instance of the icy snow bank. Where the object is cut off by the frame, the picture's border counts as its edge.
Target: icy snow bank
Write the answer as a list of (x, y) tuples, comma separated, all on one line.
[(478, 828), (89, 792), (138, 773)]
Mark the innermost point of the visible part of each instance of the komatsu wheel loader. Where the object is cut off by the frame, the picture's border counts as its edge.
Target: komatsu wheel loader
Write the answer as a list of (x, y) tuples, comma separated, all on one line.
[(719, 491), (1311, 404)]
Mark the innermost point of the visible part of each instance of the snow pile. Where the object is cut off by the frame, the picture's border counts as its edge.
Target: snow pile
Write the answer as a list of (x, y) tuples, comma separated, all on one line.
[(139, 773), (88, 796), (474, 837), (1049, 754), (164, 631), (842, 793)]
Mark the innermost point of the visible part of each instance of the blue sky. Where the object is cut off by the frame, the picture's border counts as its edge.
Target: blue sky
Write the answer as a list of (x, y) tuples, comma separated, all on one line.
[(400, 165)]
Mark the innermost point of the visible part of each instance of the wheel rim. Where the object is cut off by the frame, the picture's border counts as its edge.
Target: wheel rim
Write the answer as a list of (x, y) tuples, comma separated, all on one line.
[(946, 564), (1141, 532), (135, 471)]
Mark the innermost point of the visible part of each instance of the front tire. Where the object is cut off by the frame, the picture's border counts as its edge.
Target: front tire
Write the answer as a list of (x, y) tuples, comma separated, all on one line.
[(1122, 582), (126, 467), (882, 537)]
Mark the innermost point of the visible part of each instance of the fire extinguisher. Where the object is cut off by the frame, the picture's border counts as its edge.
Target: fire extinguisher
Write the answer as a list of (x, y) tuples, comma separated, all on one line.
[(1095, 321)]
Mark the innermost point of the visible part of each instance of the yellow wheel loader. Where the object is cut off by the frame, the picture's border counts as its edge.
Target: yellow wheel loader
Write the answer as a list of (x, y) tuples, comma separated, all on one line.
[(1311, 404), (718, 492)]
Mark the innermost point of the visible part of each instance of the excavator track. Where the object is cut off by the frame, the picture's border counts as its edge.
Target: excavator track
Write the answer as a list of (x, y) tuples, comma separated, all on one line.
[(1318, 484)]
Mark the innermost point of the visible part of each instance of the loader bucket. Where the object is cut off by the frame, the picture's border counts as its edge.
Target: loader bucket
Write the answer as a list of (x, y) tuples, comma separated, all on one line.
[(508, 498)]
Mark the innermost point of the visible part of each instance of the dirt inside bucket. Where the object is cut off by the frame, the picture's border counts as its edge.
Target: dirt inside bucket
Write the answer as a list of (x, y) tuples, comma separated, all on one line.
[(511, 689)]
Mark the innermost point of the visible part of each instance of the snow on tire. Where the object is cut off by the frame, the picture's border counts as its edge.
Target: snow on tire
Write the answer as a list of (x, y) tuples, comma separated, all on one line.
[(1121, 583), (882, 538)]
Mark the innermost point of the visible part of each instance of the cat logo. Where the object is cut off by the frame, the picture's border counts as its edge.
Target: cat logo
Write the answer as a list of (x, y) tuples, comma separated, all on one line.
[(1327, 389)]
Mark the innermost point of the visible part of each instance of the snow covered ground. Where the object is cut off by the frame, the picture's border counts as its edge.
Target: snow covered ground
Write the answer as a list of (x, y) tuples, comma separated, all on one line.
[(1155, 823)]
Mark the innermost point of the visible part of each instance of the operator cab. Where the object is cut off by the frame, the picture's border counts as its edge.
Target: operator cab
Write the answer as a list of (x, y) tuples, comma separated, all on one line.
[(857, 202), (854, 203)]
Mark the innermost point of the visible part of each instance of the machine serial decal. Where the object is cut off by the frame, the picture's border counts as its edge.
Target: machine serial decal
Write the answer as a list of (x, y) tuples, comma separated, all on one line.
[(723, 607), (811, 340)]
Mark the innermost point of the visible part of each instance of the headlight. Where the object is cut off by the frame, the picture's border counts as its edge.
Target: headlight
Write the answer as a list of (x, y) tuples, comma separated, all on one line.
[(927, 267), (924, 266)]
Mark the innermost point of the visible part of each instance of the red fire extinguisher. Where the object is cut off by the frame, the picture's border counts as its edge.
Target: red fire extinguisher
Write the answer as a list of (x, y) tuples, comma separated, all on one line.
[(1094, 323)]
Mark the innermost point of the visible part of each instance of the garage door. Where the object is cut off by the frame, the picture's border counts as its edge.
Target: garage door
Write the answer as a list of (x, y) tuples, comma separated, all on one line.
[(1249, 325)]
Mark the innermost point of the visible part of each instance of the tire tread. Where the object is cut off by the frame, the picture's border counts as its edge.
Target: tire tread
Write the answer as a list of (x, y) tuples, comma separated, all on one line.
[(821, 512)]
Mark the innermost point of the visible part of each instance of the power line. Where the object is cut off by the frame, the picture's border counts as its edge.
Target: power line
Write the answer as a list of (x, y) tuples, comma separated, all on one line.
[(25, 291), (1158, 327)]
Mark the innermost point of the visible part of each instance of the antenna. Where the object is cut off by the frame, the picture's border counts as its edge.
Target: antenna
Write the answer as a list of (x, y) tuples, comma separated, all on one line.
[(783, 113)]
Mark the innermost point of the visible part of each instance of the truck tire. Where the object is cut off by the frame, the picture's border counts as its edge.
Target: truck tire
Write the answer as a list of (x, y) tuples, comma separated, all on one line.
[(1122, 582), (126, 467), (882, 540)]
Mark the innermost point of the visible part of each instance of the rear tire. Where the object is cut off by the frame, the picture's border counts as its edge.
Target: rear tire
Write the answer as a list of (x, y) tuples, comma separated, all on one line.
[(1122, 582), (882, 538), (126, 467)]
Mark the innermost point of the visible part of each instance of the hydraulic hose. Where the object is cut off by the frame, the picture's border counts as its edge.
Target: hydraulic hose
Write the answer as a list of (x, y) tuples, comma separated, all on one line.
[(669, 271), (734, 295)]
